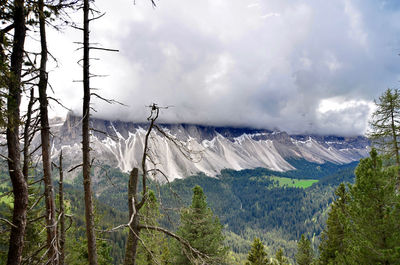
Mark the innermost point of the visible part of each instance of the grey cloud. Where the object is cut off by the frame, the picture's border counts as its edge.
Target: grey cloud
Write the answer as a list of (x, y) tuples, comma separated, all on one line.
[(233, 63)]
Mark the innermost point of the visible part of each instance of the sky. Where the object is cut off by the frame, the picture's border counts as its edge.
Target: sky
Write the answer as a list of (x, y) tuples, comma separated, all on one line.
[(301, 66)]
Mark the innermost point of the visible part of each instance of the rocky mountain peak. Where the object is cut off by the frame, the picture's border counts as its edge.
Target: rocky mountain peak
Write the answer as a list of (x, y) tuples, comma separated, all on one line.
[(120, 144)]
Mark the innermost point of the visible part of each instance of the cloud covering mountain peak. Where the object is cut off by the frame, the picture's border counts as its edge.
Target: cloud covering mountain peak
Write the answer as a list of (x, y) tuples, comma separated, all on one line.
[(265, 64)]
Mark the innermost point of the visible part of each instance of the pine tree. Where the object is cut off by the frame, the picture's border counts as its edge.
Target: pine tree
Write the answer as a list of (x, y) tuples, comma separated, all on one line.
[(333, 241), (385, 125), (305, 253), (153, 248), (363, 225), (374, 213), (257, 254), (203, 232), (280, 258)]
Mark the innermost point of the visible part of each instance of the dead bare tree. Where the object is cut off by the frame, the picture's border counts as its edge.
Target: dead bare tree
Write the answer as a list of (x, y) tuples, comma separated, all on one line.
[(27, 134), (62, 213), (132, 241), (51, 228), (87, 184), (17, 77), (134, 224), (20, 187), (61, 222)]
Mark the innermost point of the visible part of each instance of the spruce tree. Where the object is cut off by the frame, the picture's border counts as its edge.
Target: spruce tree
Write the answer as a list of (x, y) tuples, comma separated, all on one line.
[(333, 238), (280, 258), (257, 254), (374, 214), (203, 232), (305, 253), (363, 226), (385, 127), (152, 248)]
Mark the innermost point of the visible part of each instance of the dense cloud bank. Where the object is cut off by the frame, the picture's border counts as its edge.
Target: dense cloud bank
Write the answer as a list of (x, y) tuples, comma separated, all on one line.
[(301, 66)]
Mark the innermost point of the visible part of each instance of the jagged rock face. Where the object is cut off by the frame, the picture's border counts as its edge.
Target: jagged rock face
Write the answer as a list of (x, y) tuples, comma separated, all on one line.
[(120, 144)]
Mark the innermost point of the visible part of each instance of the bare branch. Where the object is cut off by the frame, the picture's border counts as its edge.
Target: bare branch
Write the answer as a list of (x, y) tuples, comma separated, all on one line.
[(8, 222), (103, 49), (109, 101), (75, 167), (180, 239)]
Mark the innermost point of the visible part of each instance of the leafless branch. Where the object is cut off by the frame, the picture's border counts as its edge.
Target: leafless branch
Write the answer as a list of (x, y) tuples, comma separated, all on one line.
[(180, 239), (75, 167), (8, 222), (109, 101), (103, 49)]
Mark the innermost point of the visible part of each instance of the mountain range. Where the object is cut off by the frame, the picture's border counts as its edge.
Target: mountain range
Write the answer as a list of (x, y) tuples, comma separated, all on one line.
[(190, 149)]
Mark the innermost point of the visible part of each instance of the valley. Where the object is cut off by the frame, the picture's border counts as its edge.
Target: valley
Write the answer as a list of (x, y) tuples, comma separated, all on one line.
[(259, 183), (248, 203)]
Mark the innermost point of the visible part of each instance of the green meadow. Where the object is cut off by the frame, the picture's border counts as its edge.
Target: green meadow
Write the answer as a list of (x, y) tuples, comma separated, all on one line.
[(296, 183)]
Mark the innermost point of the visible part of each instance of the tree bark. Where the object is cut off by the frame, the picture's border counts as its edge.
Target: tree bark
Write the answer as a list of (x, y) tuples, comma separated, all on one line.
[(62, 217), (51, 228), (20, 187), (133, 237), (90, 234), (25, 167)]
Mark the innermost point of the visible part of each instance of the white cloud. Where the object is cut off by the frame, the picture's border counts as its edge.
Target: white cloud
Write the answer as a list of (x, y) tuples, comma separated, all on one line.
[(340, 116), (219, 63)]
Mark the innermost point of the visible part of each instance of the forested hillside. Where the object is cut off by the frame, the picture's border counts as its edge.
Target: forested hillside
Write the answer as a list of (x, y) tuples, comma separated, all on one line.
[(249, 203)]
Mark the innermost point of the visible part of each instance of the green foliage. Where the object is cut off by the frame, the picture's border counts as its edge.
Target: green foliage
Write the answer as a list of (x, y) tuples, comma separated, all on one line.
[(110, 245), (202, 230), (77, 253), (280, 258), (248, 204), (333, 244), (35, 238), (374, 214), (385, 124), (305, 253), (257, 254), (153, 248), (363, 226)]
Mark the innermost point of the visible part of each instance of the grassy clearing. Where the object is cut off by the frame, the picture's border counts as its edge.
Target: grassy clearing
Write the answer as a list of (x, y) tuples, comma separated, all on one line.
[(297, 183)]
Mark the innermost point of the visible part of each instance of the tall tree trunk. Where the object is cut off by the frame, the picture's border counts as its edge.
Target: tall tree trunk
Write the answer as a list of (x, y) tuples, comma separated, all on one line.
[(91, 237), (45, 137), (20, 187), (62, 217), (25, 167), (132, 242), (134, 204)]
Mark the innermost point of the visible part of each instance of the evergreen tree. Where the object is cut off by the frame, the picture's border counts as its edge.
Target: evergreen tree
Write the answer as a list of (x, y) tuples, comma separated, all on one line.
[(257, 254), (305, 253), (153, 248), (203, 232), (280, 258), (385, 126), (374, 214), (363, 225), (333, 243)]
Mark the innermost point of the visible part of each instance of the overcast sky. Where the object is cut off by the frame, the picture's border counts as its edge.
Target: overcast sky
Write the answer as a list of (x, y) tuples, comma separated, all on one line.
[(303, 66)]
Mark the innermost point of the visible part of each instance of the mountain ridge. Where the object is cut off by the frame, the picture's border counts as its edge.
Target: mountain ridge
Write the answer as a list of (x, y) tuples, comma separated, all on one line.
[(120, 144)]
